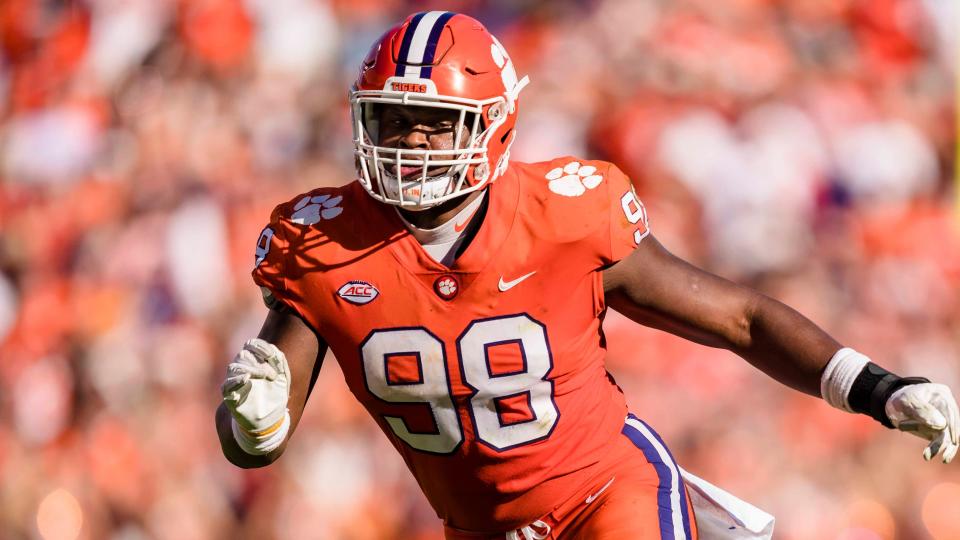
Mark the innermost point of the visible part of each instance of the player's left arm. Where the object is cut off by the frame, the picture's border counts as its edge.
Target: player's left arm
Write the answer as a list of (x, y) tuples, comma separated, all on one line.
[(654, 288)]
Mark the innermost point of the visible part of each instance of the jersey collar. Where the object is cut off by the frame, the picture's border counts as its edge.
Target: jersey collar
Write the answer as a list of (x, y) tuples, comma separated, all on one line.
[(500, 217)]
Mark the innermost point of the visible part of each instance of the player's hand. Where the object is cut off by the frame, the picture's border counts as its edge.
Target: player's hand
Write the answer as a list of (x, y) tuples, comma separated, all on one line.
[(928, 411), (257, 386)]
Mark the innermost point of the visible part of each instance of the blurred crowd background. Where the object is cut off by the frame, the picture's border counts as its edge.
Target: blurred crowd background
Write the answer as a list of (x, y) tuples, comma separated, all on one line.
[(803, 147)]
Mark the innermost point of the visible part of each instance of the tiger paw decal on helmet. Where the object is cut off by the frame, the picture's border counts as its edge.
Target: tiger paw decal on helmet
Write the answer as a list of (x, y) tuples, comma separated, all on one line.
[(573, 179)]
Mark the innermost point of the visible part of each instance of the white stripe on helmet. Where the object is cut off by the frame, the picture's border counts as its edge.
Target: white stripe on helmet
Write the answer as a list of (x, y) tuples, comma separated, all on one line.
[(418, 45)]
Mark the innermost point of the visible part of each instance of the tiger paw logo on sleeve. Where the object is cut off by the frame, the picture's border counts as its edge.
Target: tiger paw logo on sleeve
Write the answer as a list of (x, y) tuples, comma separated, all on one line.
[(312, 210), (573, 179)]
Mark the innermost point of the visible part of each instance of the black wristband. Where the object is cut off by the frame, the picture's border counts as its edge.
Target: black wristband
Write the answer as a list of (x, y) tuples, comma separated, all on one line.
[(873, 387)]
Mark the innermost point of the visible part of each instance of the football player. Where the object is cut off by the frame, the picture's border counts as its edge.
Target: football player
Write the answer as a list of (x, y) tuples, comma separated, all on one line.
[(463, 296)]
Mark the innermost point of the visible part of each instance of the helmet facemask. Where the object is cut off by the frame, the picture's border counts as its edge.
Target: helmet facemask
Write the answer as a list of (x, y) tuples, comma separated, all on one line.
[(466, 162)]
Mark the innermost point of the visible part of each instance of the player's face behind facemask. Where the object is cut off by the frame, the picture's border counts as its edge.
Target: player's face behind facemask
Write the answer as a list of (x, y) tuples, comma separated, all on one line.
[(427, 152)]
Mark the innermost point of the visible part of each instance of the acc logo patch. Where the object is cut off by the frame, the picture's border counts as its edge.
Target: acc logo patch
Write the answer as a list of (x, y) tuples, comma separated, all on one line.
[(358, 292)]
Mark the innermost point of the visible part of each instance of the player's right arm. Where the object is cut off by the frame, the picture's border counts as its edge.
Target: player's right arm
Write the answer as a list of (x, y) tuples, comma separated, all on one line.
[(303, 351), (268, 381)]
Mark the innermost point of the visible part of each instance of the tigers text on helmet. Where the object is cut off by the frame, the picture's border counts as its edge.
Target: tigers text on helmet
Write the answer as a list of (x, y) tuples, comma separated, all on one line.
[(442, 60)]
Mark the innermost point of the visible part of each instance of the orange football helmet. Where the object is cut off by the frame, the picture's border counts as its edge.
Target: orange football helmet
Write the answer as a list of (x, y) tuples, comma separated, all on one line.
[(444, 60)]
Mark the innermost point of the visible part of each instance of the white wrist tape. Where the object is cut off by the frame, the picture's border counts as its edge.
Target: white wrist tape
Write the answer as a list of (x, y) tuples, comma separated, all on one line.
[(838, 377), (263, 442)]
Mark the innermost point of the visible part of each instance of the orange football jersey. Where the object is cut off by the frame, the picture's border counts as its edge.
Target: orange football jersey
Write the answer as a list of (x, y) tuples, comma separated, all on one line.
[(488, 376)]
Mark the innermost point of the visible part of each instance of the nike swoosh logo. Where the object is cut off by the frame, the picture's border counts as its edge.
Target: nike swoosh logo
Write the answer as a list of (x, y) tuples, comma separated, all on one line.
[(505, 286), (593, 497), (459, 227)]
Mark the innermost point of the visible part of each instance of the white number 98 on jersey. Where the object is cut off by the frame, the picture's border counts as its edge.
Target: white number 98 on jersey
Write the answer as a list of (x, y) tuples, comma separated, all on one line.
[(432, 384)]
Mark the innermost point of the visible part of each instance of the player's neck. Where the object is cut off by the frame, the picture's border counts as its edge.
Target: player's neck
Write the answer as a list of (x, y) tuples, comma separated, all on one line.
[(432, 218)]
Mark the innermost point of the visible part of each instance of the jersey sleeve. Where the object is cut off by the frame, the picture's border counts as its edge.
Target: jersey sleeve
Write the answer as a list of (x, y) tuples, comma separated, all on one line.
[(269, 271), (629, 224)]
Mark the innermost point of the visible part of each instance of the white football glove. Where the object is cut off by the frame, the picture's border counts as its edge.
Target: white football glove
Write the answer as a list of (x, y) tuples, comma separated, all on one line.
[(256, 391), (928, 411)]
